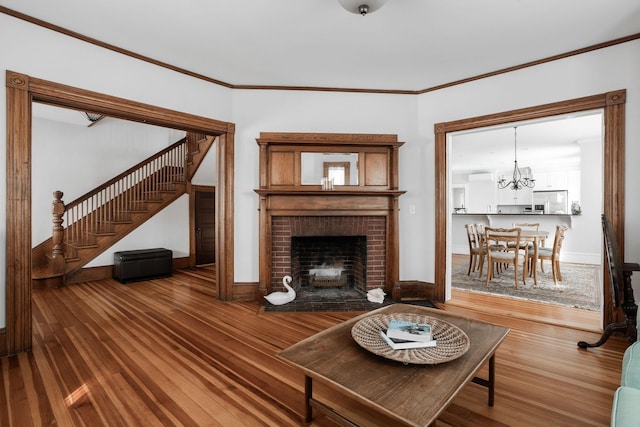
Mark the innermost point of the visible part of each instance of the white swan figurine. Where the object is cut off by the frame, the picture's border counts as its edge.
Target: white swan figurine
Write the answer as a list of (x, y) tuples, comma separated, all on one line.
[(279, 298)]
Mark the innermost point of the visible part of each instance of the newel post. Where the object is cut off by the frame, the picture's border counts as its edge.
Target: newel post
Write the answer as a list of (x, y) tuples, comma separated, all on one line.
[(57, 254)]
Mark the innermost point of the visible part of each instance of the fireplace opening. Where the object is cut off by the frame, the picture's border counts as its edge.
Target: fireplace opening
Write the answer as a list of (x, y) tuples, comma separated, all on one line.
[(329, 262)]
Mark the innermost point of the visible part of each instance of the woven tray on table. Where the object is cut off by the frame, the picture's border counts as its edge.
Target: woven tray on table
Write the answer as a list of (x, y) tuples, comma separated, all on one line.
[(451, 341)]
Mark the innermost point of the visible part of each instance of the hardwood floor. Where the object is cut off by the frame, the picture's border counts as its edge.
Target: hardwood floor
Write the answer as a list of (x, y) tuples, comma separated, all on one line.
[(165, 352)]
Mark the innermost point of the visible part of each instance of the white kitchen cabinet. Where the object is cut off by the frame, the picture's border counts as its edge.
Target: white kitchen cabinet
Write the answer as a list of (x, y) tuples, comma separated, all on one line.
[(557, 180), (511, 197)]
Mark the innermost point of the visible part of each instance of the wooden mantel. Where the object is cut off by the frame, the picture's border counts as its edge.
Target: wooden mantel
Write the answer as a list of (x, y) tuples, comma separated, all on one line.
[(372, 189)]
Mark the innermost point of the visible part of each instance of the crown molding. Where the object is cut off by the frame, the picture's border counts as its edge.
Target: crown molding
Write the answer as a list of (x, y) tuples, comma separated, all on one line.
[(62, 30)]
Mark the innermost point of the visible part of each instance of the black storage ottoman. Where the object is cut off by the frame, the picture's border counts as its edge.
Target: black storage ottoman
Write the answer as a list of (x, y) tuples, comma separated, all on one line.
[(142, 264)]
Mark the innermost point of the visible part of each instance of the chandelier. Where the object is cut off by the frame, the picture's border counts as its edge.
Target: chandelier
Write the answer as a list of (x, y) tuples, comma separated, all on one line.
[(517, 181)]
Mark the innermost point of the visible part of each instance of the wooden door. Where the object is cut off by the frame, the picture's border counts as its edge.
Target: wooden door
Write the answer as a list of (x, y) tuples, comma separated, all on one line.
[(205, 222)]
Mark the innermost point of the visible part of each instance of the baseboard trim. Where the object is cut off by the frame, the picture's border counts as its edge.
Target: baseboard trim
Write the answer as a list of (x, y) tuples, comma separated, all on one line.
[(3, 342), (106, 271), (244, 291), (417, 289)]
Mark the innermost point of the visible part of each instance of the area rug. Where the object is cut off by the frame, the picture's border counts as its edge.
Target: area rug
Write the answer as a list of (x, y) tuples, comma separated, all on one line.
[(330, 300), (579, 288)]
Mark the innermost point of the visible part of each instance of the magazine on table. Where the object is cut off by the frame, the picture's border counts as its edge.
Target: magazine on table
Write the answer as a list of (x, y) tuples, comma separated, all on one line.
[(409, 331), (399, 344)]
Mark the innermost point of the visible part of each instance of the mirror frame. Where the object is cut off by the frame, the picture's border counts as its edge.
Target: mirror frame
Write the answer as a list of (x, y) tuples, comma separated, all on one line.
[(613, 106)]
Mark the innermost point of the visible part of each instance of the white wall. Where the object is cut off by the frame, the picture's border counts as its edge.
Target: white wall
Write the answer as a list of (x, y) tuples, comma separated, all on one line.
[(614, 68), (51, 56), (206, 173)]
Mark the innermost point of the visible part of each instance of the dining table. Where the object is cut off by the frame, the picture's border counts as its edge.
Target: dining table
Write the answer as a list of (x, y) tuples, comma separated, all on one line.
[(535, 237)]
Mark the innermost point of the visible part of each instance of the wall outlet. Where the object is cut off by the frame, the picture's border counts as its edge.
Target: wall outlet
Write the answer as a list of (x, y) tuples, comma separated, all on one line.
[(412, 209)]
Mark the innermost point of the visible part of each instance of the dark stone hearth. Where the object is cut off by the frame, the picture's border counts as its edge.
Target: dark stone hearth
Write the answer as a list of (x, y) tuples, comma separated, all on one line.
[(326, 299), (334, 299)]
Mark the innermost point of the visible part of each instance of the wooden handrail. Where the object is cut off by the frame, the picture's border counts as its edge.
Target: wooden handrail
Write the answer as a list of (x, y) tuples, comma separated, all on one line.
[(97, 211), (125, 173)]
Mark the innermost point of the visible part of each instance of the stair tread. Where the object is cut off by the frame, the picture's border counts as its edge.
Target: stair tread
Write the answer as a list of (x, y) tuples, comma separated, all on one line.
[(82, 245), (44, 275), (43, 272)]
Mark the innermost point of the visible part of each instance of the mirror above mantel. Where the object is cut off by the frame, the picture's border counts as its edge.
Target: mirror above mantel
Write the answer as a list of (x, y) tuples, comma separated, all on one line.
[(341, 168)]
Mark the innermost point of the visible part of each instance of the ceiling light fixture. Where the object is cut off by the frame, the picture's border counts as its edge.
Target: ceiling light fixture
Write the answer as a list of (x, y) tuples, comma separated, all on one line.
[(362, 7), (92, 117), (517, 181)]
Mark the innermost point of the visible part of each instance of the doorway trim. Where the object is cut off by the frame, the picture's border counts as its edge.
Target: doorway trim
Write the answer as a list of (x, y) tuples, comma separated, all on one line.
[(22, 90), (613, 105)]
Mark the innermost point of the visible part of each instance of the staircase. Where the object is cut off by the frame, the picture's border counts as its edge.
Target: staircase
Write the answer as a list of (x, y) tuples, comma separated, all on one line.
[(106, 214)]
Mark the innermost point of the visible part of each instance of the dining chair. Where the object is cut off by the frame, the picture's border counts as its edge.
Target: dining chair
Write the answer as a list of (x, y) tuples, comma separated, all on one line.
[(508, 254), (535, 226), (476, 249), (528, 226), (496, 246), (552, 254)]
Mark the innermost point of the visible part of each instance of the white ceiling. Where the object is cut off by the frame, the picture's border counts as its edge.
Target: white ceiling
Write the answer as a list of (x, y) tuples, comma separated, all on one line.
[(406, 45)]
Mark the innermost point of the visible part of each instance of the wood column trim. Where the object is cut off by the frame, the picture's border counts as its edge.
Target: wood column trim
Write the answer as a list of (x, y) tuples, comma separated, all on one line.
[(440, 231), (393, 251), (263, 168), (224, 208), (394, 167), (614, 188), (18, 230), (264, 250), (21, 91)]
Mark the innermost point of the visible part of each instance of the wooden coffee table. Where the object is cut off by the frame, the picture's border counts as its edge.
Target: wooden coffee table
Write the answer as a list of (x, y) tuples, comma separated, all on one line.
[(399, 393)]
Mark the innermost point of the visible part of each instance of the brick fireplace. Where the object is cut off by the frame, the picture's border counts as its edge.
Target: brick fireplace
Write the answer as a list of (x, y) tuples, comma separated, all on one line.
[(345, 236), (329, 251)]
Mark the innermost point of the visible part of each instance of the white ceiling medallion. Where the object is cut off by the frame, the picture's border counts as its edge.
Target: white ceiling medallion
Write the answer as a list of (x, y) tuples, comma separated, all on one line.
[(362, 7)]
